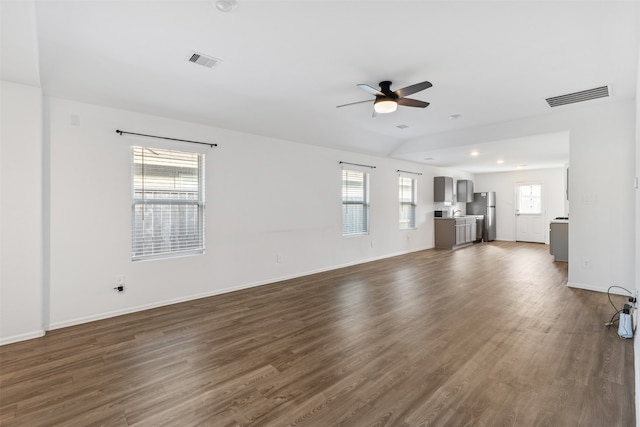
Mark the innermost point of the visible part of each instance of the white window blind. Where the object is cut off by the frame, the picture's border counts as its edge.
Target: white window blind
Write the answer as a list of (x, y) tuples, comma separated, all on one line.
[(407, 196), (167, 203), (355, 202)]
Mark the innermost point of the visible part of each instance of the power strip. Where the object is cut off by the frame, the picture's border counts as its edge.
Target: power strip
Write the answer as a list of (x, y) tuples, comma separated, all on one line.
[(625, 324)]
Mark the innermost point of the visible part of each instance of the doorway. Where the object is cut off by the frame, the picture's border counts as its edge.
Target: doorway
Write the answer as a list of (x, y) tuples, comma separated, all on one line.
[(529, 218)]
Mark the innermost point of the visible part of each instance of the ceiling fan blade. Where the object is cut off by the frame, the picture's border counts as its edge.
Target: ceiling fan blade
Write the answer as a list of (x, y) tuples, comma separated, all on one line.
[(408, 102), (371, 90), (412, 89), (354, 103)]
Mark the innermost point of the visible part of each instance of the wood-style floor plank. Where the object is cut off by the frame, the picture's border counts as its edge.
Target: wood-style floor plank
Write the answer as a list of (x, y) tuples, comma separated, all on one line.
[(481, 336)]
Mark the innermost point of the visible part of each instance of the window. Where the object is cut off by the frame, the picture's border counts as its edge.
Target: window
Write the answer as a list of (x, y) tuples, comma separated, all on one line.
[(530, 199), (167, 203), (407, 190), (355, 202)]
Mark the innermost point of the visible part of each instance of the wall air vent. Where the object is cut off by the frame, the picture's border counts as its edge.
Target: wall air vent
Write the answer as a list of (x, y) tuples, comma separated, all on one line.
[(585, 95), (202, 59)]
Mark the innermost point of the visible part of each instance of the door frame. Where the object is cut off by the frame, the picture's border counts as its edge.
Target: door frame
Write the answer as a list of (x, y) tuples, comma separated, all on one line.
[(543, 207)]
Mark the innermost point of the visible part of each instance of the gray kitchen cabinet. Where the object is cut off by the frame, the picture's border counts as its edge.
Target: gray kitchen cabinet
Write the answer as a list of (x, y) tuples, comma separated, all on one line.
[(443, 189), (451, 233), (464, 189), (445, 233), (460, 231), (559, 240), (470, 230), (465, 230)]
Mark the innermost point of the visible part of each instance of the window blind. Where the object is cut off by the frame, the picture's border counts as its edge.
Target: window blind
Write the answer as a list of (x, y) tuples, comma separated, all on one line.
[(167, 203), (407, 196), (355, 202)]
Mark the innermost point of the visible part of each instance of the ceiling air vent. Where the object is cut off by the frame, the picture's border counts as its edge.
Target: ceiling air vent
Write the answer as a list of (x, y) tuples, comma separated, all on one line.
[(202, 59), (585, 95)]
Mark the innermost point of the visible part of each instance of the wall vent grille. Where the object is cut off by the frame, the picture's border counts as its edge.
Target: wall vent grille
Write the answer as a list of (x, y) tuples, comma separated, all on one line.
[(201, 59), (585, 95)]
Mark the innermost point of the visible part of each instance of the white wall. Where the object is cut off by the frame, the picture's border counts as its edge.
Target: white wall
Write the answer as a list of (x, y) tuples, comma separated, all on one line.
[(636, 344), (21, 247), (247, 234), (504, 184), (602, 197), (602, 170), (273, 211)]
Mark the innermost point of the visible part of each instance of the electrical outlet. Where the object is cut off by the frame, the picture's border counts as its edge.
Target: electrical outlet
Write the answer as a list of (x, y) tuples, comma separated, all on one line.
[(586, 263), (119, 283)]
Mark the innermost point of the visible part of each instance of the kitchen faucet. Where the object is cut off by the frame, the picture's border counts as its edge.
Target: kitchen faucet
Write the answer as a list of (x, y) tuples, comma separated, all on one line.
[(454, 212)]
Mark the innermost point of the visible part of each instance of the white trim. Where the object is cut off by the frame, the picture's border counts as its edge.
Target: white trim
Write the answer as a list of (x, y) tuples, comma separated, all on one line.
[(21, 337), (93, 318), (597, 289)]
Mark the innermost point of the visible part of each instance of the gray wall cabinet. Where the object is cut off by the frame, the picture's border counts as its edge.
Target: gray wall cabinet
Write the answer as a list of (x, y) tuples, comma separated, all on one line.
[(443, 189), (464, 191)]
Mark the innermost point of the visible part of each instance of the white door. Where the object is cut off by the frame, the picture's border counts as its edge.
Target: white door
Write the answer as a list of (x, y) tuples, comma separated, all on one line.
[(530, 225)]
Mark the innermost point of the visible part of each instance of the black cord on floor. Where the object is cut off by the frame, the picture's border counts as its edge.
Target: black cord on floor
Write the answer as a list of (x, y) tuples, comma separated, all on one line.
[(609, 295), (618, 311)]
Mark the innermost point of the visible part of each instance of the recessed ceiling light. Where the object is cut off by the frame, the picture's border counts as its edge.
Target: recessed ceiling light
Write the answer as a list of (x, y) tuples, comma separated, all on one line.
[(500, 162), (226, 5), (455, 116), (474, 153)]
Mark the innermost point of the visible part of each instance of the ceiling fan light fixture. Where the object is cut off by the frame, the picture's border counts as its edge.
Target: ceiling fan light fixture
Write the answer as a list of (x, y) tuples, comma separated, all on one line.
[(385, 105)]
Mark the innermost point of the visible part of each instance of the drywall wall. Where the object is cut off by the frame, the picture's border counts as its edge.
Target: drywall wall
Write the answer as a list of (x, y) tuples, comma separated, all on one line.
[(602, 169), (273, 211), (269, 226), (21, 245), (636, 343), (602, 197), (504, 185)]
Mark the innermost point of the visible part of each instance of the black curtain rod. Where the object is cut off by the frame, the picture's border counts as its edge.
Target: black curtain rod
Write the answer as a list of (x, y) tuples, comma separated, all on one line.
[(356, 164), (415, 173), (121, 132)]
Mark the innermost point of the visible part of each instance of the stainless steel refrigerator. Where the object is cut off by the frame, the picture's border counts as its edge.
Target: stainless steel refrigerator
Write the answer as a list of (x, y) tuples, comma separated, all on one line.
[(485, 204)]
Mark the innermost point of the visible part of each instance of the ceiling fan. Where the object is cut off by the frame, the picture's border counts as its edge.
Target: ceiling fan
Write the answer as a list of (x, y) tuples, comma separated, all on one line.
[(387, 101)]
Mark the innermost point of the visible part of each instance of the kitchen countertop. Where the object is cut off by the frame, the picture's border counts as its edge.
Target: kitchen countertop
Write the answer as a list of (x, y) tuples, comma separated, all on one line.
[(559, 221), (460, 217)]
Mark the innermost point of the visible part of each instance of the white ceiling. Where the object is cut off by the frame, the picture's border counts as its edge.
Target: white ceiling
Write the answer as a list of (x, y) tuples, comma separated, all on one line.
[(287, 64)]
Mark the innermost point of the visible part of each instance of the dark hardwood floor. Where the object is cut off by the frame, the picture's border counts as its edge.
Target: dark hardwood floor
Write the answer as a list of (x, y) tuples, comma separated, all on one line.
[(485, 335)]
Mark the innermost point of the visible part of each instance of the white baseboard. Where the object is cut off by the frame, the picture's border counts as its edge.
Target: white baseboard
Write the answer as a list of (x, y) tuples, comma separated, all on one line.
[(21, 337), (106, 315), (614, 291)]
